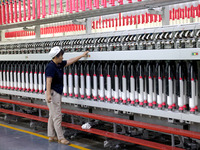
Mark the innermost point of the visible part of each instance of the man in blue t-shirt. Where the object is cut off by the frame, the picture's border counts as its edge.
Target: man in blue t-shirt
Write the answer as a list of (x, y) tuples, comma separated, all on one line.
[(54, 89)]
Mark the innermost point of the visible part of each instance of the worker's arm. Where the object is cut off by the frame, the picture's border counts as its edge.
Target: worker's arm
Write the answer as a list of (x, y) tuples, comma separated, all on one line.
[(75, 59), (48, 89)]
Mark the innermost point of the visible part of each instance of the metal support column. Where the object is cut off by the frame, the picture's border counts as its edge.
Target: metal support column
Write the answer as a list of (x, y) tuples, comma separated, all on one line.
[(114, 128), (37, 31), (172, 139), (13, 107), (165, 15), (88, 25), (37, 27), (2, 35), (40, 113)]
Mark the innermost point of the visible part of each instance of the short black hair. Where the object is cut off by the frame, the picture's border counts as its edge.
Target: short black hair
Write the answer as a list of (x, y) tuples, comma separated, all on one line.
[(59, 54)]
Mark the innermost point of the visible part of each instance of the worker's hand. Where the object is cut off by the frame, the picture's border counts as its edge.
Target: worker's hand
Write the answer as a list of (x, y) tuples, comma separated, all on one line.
[(85, 54), (48, 98)]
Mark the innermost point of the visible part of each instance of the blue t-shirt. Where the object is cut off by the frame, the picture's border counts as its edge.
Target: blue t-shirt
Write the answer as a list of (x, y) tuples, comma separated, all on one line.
[(56, 72)]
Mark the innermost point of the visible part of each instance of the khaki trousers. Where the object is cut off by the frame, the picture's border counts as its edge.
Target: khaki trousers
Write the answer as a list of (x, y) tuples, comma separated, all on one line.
[(55, 116)]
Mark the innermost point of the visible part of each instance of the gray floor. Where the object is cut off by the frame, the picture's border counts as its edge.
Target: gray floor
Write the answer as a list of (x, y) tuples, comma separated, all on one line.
[(15, 140), (12, 139)]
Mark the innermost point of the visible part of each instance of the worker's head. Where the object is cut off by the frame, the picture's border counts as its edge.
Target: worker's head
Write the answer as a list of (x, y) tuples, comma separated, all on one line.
[(56, 54)]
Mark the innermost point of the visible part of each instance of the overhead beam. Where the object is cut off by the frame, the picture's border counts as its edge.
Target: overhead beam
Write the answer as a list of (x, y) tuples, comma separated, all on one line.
[(97, 12)]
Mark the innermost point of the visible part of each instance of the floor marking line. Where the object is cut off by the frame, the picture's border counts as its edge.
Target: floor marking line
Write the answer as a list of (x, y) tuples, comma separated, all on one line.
[(39, 135)]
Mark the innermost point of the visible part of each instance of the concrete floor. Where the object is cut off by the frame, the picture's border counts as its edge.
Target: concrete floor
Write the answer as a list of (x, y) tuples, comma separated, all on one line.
[(11, 139), (16, 140)]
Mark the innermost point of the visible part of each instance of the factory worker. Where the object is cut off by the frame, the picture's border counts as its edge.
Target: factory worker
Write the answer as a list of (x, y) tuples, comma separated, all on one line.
[(54, 89)]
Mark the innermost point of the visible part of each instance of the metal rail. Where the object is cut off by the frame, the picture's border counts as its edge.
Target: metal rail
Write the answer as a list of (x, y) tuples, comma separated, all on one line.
[(187, 116), (162, 54), (148, 126), (98, 132)]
